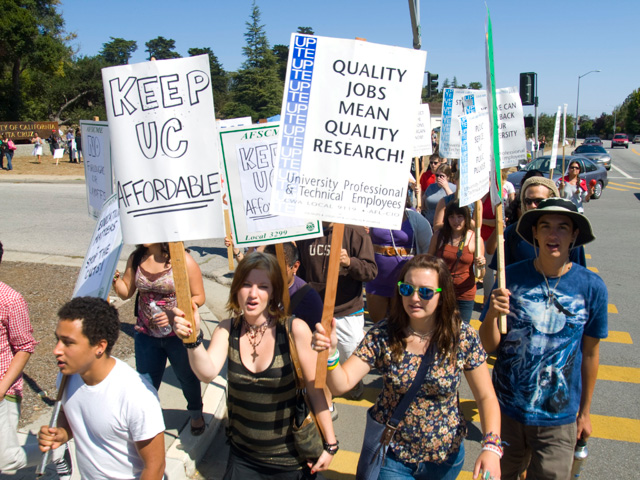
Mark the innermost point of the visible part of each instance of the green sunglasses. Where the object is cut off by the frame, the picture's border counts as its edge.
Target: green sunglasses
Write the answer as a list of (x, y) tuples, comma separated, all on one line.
[(425, 293)]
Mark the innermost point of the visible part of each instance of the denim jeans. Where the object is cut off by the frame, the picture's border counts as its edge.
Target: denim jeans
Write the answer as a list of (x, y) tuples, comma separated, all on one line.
[(9, 157), (466, 309), (151, 359), (394, 469)]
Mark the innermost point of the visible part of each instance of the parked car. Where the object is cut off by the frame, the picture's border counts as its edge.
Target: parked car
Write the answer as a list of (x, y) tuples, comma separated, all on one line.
[(636, 139), (596, 153), (620, 140), (592, 141), (590, 171)]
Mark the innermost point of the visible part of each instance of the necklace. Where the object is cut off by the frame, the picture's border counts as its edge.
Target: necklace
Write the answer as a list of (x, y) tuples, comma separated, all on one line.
[(422, 336), (551, 296), (255, 334)]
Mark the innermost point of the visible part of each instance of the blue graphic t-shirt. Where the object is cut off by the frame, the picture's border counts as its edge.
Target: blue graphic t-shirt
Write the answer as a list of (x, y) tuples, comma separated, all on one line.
[(537, 375)]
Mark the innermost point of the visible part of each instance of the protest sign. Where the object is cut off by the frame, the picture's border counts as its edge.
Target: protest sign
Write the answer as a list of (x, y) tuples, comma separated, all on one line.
[(348, 128), (554, 147), (455, 103), (102, 256), (164, 149), (98, 174), (475, 161), (511, 133), (248, 157), (423, 145)]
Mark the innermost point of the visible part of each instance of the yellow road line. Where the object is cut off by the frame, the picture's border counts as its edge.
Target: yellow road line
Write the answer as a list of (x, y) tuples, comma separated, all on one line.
[(587, 256), (634, 183), (619, 184), (619, 374), (604, 426), (593, 269), (618, 189), (612, 308), (634, 151), (479, 299), (619, 337), (343, 466)]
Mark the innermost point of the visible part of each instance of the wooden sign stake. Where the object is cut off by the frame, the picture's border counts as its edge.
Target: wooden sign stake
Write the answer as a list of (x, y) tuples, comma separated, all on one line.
[(282, 261), (330, 299), (562, 174), (478, 220), (227, 228), (418, 175), (181, 282)]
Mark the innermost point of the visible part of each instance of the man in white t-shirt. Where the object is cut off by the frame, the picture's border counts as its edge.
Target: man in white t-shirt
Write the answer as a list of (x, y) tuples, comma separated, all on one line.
[(112, 412)]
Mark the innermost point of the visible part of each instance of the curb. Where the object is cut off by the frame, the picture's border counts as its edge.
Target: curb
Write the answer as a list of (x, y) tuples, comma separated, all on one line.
[(29, 178)]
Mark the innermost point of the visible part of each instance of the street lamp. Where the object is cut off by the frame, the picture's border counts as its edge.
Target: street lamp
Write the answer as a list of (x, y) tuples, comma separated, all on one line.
[(575, 138)]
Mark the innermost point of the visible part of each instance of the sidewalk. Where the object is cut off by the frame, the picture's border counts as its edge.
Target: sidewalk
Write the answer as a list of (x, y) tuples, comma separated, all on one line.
[(183, 450)]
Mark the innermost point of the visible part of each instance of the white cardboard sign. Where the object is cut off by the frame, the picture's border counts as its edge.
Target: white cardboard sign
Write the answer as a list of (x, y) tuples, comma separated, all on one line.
[(248, 158), (96, 274), (165, 150), (96, 149), (458, 102), (233, 122), (348, 129), (475, 162), (455, 103), (423, 145)]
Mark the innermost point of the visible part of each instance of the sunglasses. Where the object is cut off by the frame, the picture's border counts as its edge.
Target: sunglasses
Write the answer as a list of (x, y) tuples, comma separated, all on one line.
[(574, 168), (425, 293), (532, 201)]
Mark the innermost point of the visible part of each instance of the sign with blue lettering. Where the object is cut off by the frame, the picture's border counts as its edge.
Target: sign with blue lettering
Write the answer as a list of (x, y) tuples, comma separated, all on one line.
[(165, 150), (348, 130), (248, 158), (455, 103), (475, 160), (98, 175)]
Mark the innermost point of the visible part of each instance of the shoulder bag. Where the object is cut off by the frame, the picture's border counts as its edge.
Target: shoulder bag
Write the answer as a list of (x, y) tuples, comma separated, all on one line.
[(377, 436), (306, 436)]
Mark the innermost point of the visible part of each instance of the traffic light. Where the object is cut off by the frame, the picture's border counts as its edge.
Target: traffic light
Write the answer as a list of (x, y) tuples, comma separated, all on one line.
[(528, 90), (432, 84)]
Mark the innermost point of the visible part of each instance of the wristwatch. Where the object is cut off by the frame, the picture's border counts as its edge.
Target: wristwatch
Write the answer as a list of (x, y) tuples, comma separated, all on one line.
[(331, 448), (197, 342)]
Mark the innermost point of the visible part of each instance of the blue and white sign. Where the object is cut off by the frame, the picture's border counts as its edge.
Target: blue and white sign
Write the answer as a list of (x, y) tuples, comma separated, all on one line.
[(348, 130)]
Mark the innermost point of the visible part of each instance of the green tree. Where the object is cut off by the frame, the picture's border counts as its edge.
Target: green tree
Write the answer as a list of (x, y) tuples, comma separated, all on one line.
[(475, 85), (446, 83), (256, 89), (118, 51), (454, 82), (631, 113), (306, 30), (161, 48), (32, 40), (219, 78)]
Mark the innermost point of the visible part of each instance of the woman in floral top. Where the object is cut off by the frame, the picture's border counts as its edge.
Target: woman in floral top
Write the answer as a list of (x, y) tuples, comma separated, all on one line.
[(429, 440)]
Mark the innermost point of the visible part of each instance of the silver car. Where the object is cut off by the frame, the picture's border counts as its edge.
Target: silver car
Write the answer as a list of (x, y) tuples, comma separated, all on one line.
[(594, 153)]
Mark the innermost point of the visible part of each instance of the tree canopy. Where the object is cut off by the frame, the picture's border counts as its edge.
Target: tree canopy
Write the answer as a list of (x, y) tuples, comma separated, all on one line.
[(118, 51), (161, 48)]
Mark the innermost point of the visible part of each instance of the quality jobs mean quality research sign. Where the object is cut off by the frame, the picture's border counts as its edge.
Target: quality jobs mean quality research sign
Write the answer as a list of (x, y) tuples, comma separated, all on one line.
[(348, 128), (164, 149)]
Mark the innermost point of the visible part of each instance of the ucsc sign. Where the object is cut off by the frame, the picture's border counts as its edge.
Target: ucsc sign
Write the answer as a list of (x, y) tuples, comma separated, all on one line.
[(27, 130)]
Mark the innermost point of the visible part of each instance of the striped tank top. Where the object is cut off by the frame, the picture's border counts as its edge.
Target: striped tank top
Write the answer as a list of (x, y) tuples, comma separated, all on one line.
[(261, 406)]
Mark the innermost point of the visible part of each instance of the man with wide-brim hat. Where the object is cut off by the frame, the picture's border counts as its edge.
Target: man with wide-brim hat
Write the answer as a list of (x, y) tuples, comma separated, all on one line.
[(547, 362)]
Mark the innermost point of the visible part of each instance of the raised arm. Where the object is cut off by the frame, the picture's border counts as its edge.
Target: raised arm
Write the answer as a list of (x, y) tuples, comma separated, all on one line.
[(489, 331), (205, 363)]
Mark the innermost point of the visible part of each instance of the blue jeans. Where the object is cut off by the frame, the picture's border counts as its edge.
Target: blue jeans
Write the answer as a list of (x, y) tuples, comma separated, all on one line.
[(466, 309), (9, 157), (394, 469), (151, 359)]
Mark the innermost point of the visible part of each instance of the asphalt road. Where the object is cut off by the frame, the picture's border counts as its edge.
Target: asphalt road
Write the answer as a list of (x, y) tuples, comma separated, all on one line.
[(52, 219)]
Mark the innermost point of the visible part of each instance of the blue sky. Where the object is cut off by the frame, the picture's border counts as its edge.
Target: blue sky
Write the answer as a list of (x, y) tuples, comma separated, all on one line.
[(558, 39)]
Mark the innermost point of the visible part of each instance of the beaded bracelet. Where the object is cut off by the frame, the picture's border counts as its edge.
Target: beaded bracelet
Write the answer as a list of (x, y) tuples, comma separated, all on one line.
[(331, 448), (333, 360), (489, 447), (491, 438)]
